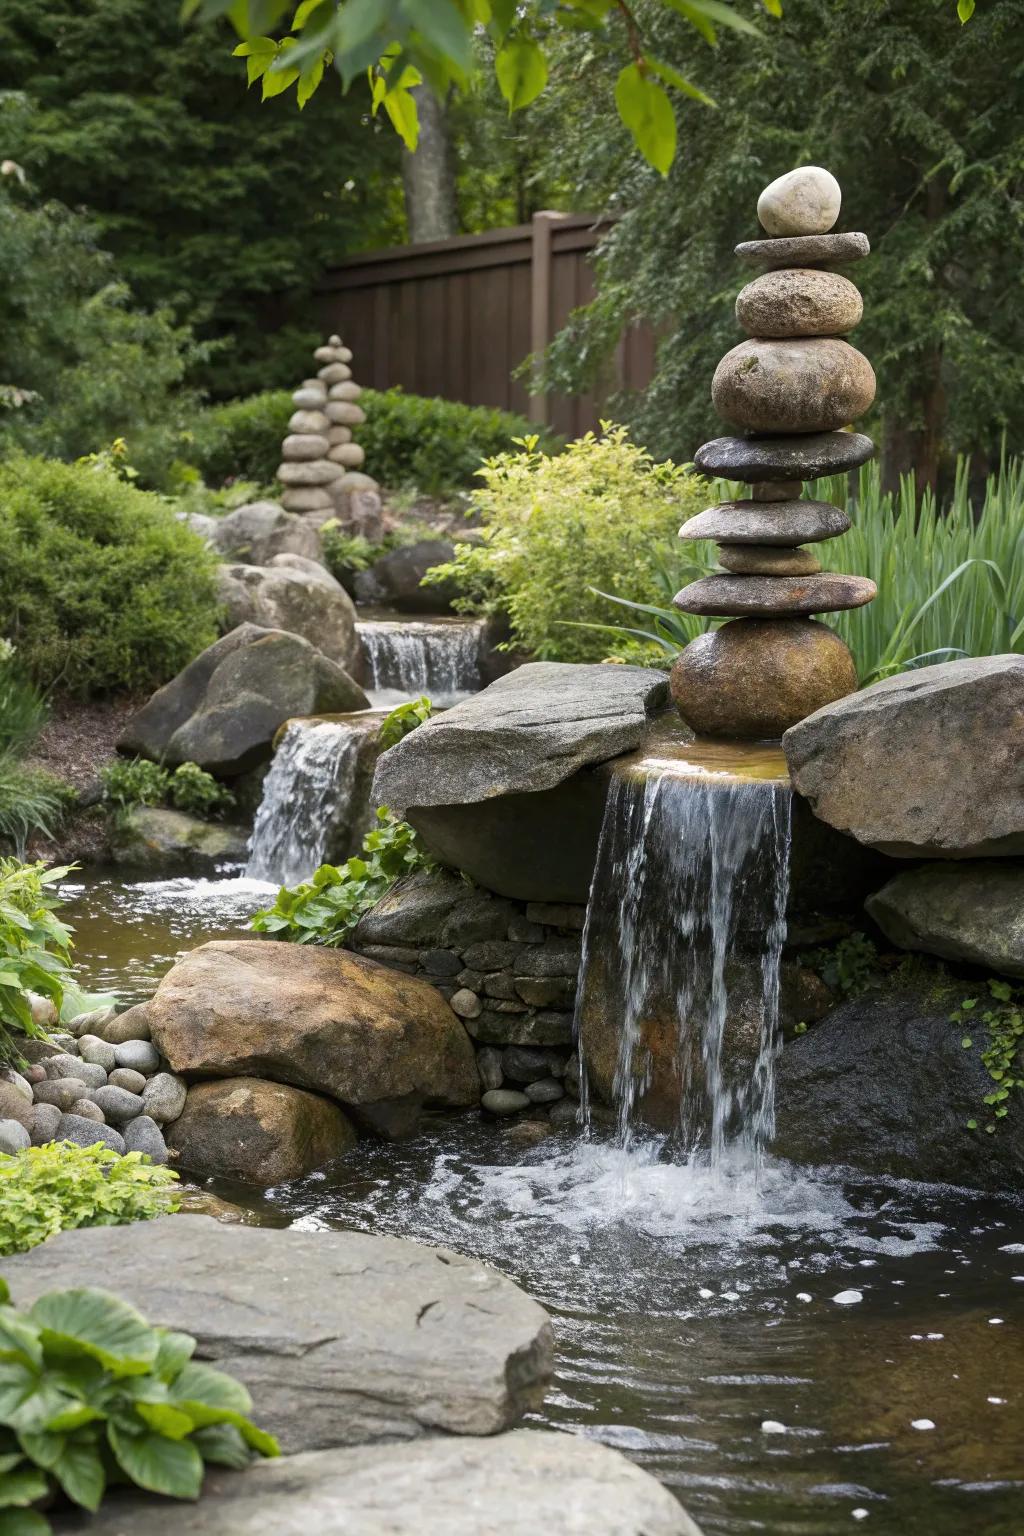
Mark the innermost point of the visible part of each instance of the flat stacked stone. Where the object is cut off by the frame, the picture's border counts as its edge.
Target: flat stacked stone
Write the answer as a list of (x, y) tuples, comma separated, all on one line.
[(790, 389), (321, 465)]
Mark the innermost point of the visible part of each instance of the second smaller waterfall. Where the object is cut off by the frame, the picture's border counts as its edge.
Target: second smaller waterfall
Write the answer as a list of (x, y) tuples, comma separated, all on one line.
[(306, 793), (408, 657)]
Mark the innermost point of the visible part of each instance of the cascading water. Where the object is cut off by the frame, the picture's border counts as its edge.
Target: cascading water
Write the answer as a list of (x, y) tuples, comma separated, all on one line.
[(678, 1015), (409, 657), (307, 791)]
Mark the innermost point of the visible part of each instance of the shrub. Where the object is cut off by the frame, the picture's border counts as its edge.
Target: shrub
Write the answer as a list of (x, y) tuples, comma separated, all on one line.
[(101, 588), (564, 535), (35, 948), (325, 910), (194, 790), (50, 1189), (435, 445), (141, 782), (89, 1392), (30, 799)]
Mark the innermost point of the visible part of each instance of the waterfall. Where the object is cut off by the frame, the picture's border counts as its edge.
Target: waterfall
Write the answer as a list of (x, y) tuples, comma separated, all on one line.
[(678, 1015), (306, 793), (409, 657)]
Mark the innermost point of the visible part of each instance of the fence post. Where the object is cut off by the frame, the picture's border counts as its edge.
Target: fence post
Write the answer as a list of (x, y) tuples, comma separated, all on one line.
[(540, 304)]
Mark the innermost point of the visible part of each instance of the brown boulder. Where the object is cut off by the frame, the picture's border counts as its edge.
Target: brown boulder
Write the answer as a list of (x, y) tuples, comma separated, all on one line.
[(799, 302), (826, 592), (812, 385), (372, 1038), (256, 1132), (767, 560), (755, 678)]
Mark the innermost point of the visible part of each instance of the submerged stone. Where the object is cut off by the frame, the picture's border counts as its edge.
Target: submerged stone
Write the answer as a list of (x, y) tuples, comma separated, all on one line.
[(807, 456), (811, 384), (782, 523), (755, 678), (786, 596)]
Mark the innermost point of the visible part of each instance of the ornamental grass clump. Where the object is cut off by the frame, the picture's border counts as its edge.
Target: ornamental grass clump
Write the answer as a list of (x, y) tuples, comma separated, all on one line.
[(565, 536)]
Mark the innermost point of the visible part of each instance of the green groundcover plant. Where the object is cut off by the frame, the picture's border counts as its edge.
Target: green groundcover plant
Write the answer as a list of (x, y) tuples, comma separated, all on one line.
[(45, 1190), (189, 788), (35, 948), (91, 1394)]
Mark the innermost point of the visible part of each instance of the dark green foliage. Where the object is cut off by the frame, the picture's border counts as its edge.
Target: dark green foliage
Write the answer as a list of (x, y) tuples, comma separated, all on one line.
[(31, 800), (410, 440), (139, 782), (101, 588), (213, 204), (197, 792), (54, 1188), (920, 120), (35, 949), (91, 1394)]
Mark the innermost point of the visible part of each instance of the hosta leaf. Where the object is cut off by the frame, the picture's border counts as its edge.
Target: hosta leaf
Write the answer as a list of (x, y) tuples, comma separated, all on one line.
[(99, 1325), (25, 1522), (75, 1463), (171, 1467), (175, 1351), (202, 1384), (174, 1422), (223, 1445), (21, 1487)]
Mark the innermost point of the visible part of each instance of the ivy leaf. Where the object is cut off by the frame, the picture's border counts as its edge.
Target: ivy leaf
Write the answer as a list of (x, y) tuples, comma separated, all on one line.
[(647, 113), (966, 1042), (171, 1467), (522, 72), (972, 1125)]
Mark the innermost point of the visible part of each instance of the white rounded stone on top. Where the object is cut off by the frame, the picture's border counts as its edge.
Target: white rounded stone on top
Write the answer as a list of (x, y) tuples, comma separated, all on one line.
[(805, 201)]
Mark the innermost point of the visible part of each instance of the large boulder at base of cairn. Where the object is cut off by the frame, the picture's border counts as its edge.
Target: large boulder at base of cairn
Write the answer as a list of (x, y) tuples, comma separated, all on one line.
[(378, 1042), (504, 785), (296, 595), (224, 710), (257, 1132), (342, 1338), (789, 388), (258, 532), (321, 465), (929, 764)]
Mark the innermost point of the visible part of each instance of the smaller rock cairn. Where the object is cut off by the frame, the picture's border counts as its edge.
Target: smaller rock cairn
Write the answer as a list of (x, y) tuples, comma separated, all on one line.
[(321, 468), (790, 388)]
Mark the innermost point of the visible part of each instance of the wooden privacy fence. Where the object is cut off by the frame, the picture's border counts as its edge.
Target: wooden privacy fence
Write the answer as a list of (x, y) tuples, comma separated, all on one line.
[(457, 317)]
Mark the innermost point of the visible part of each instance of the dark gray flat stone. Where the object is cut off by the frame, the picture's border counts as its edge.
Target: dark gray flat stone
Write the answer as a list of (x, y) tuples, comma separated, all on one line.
[(517, 1484), (804, 250), (768, 596), (341, 1338), (801, 456), (767, 522)]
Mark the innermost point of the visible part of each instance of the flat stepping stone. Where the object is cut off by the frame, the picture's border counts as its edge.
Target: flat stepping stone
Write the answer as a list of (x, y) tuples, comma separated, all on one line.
[(767, 522), (518, 1484), (341, 1338), (804, 250), (802, 456), (764, 596)]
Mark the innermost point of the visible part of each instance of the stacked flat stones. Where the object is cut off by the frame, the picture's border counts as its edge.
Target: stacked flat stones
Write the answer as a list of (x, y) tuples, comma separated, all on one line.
[(789, 389), (321, 465)]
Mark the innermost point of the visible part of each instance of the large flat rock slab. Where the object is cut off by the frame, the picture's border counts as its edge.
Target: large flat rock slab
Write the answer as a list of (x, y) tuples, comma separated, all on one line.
[(518, 1484), (341, 1338), (926, 764)]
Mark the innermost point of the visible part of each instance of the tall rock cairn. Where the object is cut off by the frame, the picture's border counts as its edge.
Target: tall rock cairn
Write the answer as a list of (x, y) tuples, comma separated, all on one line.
[(321, 465), (789, 389)]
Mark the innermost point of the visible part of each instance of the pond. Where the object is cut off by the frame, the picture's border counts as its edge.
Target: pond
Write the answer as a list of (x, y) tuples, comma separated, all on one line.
[(807, 1354)]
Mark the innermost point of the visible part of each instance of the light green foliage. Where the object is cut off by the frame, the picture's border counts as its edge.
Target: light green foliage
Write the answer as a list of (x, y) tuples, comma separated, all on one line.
[(213, 206), (35, 948), (941, 207), (44, 1190), (849, 967), (140, 782), (346, 553), (1001, 1016), (101, 588), (325, 910), (403, 719), (194, 790), (91, 1394), (564, 536)]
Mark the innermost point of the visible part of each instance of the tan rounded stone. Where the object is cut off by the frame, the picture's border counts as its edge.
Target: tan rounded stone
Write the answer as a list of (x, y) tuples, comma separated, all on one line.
[(298, 446), (257, 1132), (799, 302), (306, 499), (348, 454), (754, 678), (345, 413), (334, 373), (786, 596), (314, 472), (805, 201), (311, 397), (338, 435), (813, 385), (767, 560), (346, 391), (308, 421)]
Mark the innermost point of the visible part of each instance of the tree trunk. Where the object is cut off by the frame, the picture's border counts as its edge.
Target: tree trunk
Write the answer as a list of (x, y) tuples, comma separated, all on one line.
[(427, 175)]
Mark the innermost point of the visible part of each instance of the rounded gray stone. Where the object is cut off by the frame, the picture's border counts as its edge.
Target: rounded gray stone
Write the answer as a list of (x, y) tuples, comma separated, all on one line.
[(805, 456), (316, 473), (144, 1135), (804, 384), (466, 1004), (141, 1055), (13, 1137), (310, 397), (504, 1101), (86, 1133), (87, 1109), (117, 1105), (805, 250), (763, 596), (45, 1120), (127, 1078), (334, 373), (767, 560), (100, 1052), (299, 446), (18, 1083), (546, 1091), (488, 1064), (801, 301), (314, 422), (164, 1097), (62, 1091), (804, 201), (130, 1025), (779, 523)]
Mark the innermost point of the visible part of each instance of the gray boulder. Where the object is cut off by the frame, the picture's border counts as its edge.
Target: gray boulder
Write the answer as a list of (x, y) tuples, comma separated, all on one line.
[(156, 838), (85, 1132), (972, 912), (501, 786), (13, 1137), (342, 1338), (395, 579), (884, 1084), (291, 598), (926, 764), (225, 708), (257, 532), (519, 1484)]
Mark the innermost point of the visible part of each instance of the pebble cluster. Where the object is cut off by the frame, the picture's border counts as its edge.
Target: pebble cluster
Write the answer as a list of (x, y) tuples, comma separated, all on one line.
[(100, 1080), (789, 389), (321, 464)]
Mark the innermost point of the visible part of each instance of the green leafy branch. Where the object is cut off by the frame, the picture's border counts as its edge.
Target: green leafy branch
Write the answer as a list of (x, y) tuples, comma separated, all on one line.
[(1003, 1057)]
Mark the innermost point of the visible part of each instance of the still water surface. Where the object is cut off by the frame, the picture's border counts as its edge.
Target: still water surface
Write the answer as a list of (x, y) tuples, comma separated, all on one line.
[(811, 1355)]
